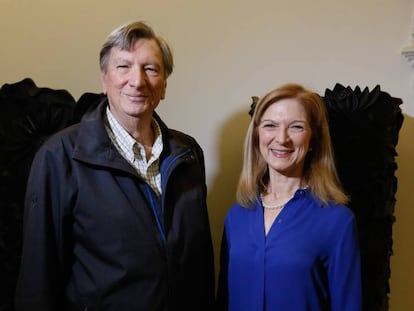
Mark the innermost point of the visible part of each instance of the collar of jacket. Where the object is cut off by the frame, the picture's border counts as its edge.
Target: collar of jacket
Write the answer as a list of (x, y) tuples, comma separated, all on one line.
[(94, 146)]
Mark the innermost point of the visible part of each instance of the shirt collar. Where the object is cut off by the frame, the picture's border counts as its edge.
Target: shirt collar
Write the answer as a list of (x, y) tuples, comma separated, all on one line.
[(125, 142)]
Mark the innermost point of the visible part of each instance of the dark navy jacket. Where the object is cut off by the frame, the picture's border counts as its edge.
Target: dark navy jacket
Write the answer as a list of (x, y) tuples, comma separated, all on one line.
[(97, 238)]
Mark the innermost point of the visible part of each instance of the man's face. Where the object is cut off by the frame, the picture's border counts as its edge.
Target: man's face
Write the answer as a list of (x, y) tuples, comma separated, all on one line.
[(134, 81)]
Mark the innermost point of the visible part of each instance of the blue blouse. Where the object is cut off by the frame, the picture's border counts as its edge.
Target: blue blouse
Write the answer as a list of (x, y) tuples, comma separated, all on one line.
[(309, 260)]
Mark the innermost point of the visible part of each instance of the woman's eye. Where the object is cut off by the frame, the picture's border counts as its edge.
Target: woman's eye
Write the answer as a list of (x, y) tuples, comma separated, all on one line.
[(297, 128)]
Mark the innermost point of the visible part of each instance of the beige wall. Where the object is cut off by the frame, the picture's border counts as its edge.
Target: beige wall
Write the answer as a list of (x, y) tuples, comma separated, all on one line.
[(227, 51)]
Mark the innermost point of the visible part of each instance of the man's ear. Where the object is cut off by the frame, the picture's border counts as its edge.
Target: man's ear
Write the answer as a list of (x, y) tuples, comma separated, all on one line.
[(103, 82), (165, 89)]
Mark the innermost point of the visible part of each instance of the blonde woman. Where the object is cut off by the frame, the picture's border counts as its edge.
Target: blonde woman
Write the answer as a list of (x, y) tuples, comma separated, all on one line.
[(289, 242)]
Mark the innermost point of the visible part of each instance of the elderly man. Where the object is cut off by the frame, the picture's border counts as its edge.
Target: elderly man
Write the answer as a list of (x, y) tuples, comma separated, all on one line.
[(115, 210)]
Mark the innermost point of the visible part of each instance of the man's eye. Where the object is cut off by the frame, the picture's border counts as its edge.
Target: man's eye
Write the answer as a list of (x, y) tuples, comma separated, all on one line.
[(151, 70)]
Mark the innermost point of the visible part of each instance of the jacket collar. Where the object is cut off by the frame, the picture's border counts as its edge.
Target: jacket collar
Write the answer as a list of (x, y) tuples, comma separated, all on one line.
[(94, 146)]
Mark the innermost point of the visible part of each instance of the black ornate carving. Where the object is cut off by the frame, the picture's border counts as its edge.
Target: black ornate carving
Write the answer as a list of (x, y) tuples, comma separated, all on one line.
[(28, 116), (364, 126)]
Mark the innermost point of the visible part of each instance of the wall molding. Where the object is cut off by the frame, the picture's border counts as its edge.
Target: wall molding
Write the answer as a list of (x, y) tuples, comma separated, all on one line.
[(408, 51)]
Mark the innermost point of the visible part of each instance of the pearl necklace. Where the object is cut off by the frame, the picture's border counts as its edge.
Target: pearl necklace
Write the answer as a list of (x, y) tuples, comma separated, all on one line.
[(275, 207), (280, 206)]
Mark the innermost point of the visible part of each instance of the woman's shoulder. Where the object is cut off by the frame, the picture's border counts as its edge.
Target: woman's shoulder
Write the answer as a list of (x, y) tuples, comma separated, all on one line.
[(329, 217), (338, 210), (239, 212), (335, 219), (330, 208)]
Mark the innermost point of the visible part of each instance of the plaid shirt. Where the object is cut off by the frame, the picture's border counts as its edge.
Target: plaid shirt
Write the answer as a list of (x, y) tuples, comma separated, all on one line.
[(134, 152)]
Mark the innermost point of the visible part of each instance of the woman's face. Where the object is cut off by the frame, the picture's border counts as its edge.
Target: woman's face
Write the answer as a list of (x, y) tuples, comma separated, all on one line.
[(284, 137)]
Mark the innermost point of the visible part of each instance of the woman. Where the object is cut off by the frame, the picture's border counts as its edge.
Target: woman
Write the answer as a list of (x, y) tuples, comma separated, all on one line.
[(289, 242)]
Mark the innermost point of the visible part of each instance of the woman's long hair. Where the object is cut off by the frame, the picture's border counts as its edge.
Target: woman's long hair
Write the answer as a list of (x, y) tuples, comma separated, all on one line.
[(319, 170)]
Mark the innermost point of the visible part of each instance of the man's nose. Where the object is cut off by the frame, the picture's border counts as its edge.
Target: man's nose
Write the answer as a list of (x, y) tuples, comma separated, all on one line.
[(137, 77)]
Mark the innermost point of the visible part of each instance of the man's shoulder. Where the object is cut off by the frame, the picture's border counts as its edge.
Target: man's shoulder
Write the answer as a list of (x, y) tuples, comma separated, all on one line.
[(182, 137), (60, 140)]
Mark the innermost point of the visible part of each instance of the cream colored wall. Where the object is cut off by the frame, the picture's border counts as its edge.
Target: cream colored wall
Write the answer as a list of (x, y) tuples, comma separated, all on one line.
[(225, 52)]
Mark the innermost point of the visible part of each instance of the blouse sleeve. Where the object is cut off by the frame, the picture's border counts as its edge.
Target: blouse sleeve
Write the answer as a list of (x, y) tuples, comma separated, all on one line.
[(344, 270)]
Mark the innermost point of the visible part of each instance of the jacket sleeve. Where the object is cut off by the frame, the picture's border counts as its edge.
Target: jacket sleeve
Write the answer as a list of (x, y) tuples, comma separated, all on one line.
[(41, 276), (222, 289), (344, 271), (208, 264)]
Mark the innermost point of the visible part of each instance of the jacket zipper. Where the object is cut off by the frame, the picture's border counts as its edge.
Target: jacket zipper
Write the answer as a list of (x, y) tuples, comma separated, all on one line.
[(151, 196)]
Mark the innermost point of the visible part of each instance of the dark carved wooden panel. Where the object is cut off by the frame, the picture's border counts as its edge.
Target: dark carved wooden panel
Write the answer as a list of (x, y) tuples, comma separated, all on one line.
[(364, 126)]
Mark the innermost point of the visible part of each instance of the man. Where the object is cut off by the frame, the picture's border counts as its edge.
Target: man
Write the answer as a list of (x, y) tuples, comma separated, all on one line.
[(115, 212)]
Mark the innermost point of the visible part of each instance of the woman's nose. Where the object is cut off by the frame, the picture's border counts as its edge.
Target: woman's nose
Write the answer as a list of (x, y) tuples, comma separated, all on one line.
[(282, 135)]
